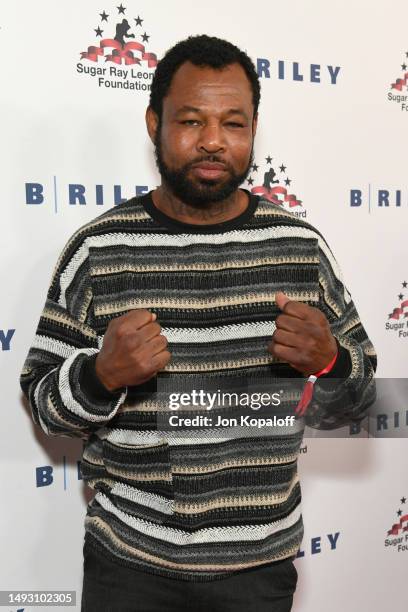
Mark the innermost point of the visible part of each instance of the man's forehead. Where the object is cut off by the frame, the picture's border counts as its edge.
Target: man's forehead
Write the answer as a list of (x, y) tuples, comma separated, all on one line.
[(191, 84)]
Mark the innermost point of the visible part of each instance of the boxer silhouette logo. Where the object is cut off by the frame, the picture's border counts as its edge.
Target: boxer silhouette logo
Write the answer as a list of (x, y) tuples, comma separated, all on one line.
[(275, 185), (119, 58), (398, 319)]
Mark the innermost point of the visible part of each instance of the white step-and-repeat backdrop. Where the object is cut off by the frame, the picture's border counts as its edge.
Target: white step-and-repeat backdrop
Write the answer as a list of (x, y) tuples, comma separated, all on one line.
[(333, 126)]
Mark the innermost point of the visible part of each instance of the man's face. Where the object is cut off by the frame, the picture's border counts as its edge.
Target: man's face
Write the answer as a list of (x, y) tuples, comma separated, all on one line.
[(204, 141)]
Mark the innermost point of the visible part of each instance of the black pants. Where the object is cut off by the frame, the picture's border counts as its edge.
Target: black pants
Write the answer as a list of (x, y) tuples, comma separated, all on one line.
[(111, 587)]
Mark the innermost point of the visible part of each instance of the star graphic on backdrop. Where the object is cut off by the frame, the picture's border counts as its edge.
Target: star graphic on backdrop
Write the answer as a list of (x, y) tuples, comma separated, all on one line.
[(287, 182), (403, 500), (404, 66), (145, 37), (104, 16), (268, 159), (400, 296), (404, 284), (389, 316), (399, 512), (98, 31), (121, 9), (255, 167), (250, 180), (282, 168), (138, 20)]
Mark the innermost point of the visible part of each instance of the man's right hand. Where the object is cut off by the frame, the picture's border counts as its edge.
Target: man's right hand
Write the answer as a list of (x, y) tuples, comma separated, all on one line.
[(133, 350)]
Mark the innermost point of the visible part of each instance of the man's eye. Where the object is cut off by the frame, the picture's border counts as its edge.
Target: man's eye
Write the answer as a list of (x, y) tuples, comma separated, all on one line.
[(190, 121), (235, 124)]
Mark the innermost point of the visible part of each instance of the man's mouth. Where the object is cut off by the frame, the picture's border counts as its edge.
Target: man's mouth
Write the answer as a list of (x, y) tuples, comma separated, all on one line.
[(209, 170)]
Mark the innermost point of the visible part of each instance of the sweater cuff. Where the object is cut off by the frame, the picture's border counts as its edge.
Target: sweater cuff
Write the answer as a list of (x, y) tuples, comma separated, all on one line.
[(92, 386), (342, 366)]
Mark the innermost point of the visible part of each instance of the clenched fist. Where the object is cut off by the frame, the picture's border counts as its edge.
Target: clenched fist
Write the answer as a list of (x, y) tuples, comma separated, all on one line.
[(133, 350), (302, 337)]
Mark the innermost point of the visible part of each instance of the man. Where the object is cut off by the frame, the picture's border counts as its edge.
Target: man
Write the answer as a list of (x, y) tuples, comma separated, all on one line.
[(197, 279)]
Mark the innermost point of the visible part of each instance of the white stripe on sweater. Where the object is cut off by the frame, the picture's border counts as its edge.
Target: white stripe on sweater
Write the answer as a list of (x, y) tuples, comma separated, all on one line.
[(138, 240), (150, 500), (71, 403), (218, 334), (193, 438), (36, 400), (68, 274), (56, 347), (238, 331), (182, 240), (151, 438)]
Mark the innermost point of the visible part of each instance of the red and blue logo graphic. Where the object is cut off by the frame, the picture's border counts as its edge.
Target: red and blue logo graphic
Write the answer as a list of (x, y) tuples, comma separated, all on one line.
[(122, 51), (399, 85), (397, 536), (274, 186), (398, 318)]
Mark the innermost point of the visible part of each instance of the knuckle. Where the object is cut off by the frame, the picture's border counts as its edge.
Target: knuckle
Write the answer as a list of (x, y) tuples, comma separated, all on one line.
[(143, 367), (142, 316), (123, 330), (319, 331), (278, 335), (289, 306), (131, 341), (157, 327), (161, 360), (131, 314), (277, 351), (138, 316), (154, 328), (279, 319), (319, 316), (311, 343)]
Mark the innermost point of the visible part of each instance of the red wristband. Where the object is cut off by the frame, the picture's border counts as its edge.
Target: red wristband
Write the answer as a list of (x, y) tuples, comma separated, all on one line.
[(307, 393), (328, 367)]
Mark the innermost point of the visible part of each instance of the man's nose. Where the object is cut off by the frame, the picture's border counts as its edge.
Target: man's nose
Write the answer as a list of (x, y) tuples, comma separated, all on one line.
[(211, 138)]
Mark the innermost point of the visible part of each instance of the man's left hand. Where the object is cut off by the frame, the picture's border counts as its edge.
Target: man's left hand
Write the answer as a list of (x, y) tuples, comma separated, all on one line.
[(302, 338)]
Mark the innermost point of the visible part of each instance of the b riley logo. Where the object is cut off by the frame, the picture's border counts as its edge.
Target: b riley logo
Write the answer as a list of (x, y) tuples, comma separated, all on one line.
[(398, 318), (397, 536), (399, 89), (127, 63), (272, 182)]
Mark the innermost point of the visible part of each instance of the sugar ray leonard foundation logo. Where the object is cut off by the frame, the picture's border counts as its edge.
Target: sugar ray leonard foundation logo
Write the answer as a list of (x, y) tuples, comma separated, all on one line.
[(398, 318), (126, 62), (272, 183), (399, 88), (397, 536)]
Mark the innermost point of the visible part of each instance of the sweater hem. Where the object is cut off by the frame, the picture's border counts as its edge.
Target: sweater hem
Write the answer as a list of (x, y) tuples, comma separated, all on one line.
[(98, 548)]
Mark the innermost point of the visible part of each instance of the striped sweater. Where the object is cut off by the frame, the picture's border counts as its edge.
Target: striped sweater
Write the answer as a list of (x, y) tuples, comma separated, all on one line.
[(201, 508)]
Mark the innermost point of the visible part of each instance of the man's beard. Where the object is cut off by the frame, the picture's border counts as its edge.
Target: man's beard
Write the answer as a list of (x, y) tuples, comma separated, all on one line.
[(202, 192)]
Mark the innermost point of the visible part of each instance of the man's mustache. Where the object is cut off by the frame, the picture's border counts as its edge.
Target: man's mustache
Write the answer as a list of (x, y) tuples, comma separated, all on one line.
[(208, 159)]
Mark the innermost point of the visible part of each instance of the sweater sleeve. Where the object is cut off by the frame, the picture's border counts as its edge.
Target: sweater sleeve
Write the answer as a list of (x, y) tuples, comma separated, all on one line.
[(58, 376), (345, 394)]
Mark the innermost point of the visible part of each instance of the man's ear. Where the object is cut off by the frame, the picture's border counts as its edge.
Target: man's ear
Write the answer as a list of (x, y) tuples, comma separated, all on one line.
[(152, 123), (254, 124)]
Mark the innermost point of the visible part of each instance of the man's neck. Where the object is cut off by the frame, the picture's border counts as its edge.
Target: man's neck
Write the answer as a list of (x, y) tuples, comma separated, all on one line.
[(215, 212)]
